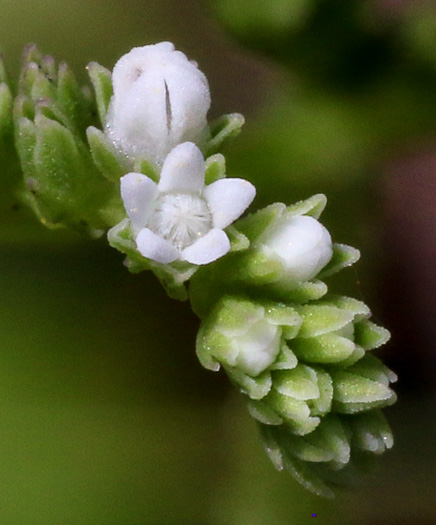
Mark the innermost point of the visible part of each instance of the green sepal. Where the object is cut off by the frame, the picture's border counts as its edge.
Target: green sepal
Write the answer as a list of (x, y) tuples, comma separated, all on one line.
[(343, 257), (257, 268), (35, 84), (172, 276), (313, 207), (146, 167), (101, 79), (25, 140), (71, 100), (286, 360), (271, 446), (279, 448), (256, 223), (105, 156), (254, 387), (372, 368), (322, 404), (354, 393), (215, 168), (357, 354), (262, 412), (295, 412), (359, 309), (370, 432), (299, 383), (238, 241), (319, 319), (369, 335), (6, 128), (303, 293), (327, 348), (221, 130), (327, 443)]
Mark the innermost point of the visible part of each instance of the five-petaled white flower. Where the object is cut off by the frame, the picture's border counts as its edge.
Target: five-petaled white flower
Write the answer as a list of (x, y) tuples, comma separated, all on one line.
[(180, 217), (160, 99)]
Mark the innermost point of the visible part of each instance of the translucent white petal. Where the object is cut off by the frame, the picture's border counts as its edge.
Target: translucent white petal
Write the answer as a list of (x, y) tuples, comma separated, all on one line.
[(155, 247), (209, 248), (183, 169), (138, 193), (227, 200)]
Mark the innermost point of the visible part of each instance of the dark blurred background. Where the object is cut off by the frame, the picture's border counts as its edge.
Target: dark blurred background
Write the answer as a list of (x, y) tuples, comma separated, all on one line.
[(106, 416)]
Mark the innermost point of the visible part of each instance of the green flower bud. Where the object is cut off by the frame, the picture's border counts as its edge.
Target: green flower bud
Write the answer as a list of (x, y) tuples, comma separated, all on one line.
[(310, 382), (62, 183), (247, 339), (288, 249)]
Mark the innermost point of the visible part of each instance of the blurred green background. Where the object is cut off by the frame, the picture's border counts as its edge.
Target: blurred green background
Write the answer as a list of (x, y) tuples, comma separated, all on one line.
[(106, 416)]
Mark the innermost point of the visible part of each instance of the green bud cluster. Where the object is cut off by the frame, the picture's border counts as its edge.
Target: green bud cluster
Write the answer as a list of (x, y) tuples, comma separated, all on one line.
[(62, 183), (300, 355), (310, 382)]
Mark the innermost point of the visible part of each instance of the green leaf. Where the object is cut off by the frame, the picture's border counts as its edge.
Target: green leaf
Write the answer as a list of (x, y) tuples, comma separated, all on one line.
[(223, 129), (101, 79)]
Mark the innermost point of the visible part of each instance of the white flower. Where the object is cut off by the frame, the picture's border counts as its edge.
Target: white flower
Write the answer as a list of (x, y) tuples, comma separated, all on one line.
[(303, 244), (180, 217), (160, 99)]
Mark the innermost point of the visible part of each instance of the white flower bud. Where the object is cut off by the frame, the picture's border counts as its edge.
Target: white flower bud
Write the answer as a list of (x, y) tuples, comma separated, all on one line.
[(160, 100), (304, 246)]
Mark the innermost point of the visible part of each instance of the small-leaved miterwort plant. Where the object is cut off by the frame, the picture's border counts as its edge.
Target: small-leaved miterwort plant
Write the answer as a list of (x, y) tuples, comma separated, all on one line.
[(150, 176)]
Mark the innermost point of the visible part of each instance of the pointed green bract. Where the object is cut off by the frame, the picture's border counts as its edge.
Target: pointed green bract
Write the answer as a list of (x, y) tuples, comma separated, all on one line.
[(215, 168), (101, 79), (105, 155), (223, 129)]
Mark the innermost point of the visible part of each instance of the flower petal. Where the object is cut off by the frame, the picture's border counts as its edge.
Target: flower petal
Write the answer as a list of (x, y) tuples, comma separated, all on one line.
[(209, 248), (138, 193), (155, 247), (183, 169), (228, 199)]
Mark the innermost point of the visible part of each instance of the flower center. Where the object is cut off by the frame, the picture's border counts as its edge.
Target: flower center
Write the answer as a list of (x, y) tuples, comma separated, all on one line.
[(181, 218)]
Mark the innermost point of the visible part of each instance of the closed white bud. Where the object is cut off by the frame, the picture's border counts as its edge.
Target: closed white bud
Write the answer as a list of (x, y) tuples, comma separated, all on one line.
[(160, 99), (304, 246)]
